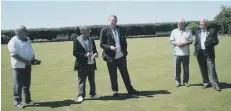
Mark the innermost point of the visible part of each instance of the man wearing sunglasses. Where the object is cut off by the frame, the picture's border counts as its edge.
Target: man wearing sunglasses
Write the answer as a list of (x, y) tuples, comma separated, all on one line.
[(206, 40), (22, 57)]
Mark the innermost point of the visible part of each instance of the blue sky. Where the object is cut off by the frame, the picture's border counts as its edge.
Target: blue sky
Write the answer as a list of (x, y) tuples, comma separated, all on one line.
[(52, 14)]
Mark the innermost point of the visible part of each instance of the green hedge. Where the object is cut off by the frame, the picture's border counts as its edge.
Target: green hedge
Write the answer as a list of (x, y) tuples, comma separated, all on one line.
[(131, 30)]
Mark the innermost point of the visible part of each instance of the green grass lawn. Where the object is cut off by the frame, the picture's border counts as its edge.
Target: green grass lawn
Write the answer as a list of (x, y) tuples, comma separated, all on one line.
[(150, 64)]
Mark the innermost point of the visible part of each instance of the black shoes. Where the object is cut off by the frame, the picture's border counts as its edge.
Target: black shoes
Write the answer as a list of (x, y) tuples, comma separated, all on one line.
[(115, 93), (30, 102), (135, 92)]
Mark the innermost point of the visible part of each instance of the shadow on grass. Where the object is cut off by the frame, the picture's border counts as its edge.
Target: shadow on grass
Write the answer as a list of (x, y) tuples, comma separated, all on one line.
[(48, 41), (196, 84), (151, 93), (54, 104), (223, 85), (124, 96)]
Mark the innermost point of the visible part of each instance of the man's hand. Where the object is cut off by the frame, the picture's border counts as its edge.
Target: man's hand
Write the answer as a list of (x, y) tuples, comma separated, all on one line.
[(35, 62), (182, 44), (95, 55), (89, 54), (113, 48), (176, 44), (27, 62)]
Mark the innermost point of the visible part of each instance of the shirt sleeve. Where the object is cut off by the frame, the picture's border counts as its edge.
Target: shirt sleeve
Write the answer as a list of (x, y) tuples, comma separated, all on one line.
[(172, 37), (12, 47)]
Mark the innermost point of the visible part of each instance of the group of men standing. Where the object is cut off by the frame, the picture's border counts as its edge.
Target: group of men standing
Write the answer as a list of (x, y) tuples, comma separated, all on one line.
[(205, 41), (114, 45)]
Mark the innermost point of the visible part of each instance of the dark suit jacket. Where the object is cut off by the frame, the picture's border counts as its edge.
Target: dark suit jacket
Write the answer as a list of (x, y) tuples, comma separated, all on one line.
[(210, 42), (81, 55), (107, 40)]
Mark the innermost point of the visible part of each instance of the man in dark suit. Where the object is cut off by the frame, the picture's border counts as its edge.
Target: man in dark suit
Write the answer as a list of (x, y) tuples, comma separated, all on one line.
[(84, 50), (114, 45), (205, 42)]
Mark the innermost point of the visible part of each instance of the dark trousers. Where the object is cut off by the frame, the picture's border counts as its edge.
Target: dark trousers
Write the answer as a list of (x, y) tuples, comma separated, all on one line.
[(22, 80), (121, 63), (207, 68), (88, 71), (184, 60)]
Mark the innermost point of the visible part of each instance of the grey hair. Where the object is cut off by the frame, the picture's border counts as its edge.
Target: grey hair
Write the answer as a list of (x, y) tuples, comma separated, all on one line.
[(181, 20), (84, 28), (113, 16), (18, 29)]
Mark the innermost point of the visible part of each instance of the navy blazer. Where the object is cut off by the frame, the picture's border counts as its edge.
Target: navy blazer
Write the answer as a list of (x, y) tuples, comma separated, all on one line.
[(210, 42)]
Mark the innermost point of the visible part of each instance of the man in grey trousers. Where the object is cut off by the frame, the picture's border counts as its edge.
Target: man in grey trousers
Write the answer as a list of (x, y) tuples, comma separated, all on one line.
[(22, 55), (181, 38), (84, 50), (206, 40)]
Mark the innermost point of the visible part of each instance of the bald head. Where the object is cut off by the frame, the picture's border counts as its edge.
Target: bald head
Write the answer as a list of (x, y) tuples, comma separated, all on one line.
[(21, 31), (181, 23), (203, 20), (203, 23)]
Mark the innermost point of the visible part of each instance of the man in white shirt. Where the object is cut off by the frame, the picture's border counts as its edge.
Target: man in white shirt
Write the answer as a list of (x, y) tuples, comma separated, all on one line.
[(181, 38), (22, 55), (114, 45)]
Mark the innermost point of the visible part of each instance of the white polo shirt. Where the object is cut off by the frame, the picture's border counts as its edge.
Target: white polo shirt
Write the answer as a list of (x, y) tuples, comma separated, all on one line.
[(22, 48), (118, 53), (183, 36)]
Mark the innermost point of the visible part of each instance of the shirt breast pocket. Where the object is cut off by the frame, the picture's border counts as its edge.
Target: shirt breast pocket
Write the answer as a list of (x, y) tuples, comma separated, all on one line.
[(186, 36)]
